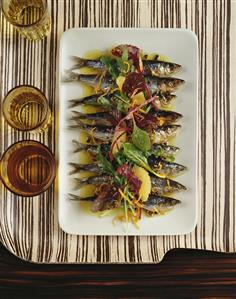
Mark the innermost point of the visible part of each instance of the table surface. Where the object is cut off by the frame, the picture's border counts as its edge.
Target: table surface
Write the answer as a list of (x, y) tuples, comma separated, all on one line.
[(184, 273)]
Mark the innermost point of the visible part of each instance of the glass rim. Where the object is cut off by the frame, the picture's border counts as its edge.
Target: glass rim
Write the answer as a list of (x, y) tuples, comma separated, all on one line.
[(45, 113), (20, 25), (53, 176)]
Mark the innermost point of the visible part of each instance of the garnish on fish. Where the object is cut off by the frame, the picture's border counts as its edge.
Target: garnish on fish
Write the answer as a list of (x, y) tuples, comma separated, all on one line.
[(100, 82), (105, 100), (158, 185), (129, 133), (107, 119), (150, 67)]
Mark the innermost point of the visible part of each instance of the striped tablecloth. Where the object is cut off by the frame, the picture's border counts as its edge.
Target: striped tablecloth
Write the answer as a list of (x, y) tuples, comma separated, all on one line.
[(29, 226)]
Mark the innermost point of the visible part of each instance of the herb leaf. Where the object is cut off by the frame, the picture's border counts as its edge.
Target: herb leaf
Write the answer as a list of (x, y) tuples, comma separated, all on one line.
[(136, 156), (111, 65), (141, 139)]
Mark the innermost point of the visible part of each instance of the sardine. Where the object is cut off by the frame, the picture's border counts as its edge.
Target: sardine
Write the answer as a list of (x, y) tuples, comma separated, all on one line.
[(165, 186), (83, 62), (92, 149), (163, 101), (164, 133), (160, 68), (100, 119), (163, 84), (165, 168), (77, 168), (103, 134), (151, 67), (160, 204), (106, 119), (159, 185), (99, 82), (155, 205), (89, 100), (166, 150), (94, 180)]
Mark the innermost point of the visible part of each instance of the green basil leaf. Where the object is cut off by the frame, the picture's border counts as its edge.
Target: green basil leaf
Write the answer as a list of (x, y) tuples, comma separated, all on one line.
[(141, 139), (133, 154)]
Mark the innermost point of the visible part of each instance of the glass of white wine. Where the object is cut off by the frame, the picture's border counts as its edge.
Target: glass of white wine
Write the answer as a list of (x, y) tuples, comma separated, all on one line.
[(29, 17), (27, 168), (26, 108)]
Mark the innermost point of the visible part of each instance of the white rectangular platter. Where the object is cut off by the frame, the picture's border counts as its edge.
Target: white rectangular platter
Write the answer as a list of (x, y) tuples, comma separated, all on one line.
[(182, 47)]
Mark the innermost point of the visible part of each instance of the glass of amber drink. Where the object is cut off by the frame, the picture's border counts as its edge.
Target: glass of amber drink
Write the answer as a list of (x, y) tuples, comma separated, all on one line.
[(27, 168), (29, 17), (26, 108)]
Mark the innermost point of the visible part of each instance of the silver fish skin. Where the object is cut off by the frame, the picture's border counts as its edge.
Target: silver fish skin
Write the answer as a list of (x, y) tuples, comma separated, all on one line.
[(163, 101), (83, 62), (103, 134), (92, 149), (168, 150), (94, 180), (160, 68), (160, 204), (151, 67), (100, 83), (106, 119), (164, 133), (163, 84), (89, 100), (165, 116), (164, 186), (156, 84), (100, 119), (165, 168), (77, 168)]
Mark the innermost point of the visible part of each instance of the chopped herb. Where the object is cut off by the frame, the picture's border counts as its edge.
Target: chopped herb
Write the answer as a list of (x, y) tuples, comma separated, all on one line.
[(125, 55), (103, 101), (122, 102)]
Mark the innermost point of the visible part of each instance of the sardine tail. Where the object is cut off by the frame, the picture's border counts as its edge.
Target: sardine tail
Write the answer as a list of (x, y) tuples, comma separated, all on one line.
[(79, 146), (77, 62)]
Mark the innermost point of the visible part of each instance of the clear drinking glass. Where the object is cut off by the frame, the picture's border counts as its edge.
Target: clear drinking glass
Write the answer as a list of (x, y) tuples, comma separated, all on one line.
[(26, 108), (30, 17), (27, 168)]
